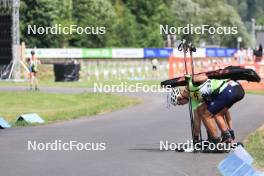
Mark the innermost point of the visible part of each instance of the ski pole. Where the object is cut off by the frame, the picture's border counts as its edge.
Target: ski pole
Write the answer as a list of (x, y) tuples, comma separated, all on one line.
[(193, 49), (185, 50)]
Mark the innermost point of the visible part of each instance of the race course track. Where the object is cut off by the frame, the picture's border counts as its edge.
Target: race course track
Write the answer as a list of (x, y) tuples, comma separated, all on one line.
[(132, 139)]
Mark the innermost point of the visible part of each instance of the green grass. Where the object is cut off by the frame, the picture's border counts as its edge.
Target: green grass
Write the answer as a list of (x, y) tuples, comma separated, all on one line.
[(255, 142), (80, 84), (257, 92), (57, 107), (255, 146)]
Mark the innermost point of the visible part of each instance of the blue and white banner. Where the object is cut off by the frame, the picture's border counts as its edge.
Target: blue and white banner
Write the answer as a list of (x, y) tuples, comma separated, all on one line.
[(200, 53), (220, 52), (230, 52), (127, 52), (157, 52)]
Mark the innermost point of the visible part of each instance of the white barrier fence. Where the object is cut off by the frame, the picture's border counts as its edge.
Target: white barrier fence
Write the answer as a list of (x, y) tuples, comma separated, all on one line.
[(123, 70)]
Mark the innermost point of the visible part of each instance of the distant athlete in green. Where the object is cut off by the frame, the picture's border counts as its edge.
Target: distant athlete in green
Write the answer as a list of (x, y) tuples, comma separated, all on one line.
[(33, 63)]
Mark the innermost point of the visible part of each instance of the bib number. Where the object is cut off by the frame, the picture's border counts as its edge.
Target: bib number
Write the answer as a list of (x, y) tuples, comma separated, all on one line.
[(196, 95)]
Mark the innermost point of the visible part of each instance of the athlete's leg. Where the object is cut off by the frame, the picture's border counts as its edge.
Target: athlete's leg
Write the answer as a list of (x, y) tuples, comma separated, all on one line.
[(223, 126), (229, 96), (196, 126), (31, 80), (237, 93), (228, 118), (207, 119), (182, 99), (36, 81), (221, 122), (218, 118)]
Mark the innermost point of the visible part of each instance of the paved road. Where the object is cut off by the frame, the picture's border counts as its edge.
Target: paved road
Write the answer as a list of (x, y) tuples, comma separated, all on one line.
[(132, 139)]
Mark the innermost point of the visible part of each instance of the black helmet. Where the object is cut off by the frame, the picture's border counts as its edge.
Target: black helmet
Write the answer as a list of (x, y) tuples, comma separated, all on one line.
[(32, 52)]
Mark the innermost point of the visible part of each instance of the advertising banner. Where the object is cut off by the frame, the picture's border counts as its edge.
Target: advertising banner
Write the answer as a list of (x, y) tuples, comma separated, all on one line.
[(200, 53), (157, 52), (97, 53), (55, 53), (127, 53), (220, 52)]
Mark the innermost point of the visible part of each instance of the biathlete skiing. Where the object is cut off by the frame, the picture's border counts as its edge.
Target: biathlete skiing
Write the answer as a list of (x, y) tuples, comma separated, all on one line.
[(210, 96), (211, 100), (33, 63)]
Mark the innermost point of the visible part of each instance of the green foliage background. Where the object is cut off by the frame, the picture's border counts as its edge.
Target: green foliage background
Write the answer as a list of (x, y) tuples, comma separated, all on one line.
[(135, 23)]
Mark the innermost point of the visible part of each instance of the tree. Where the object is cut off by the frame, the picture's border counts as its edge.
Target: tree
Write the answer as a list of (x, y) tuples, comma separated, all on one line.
[(187, 12), (149, 15), (39, 13), (136, 23), (63, 16), (126, 29), (212, 13), (248, 9), (94, 13), (243, 10)]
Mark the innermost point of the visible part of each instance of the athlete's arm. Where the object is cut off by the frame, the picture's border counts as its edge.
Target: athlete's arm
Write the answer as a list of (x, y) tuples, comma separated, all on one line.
[(183, 98), (199, 79), (38, 61)]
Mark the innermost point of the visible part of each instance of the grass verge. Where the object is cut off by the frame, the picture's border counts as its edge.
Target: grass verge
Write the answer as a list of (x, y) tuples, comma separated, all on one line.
[(257, 92), (57, 107), (255, 146), (81, 83), (255, 142)]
